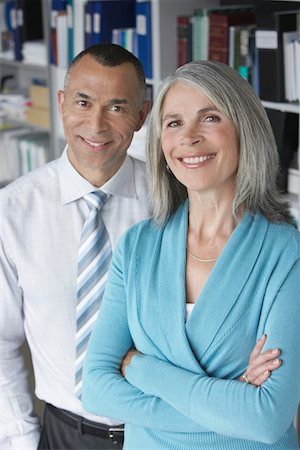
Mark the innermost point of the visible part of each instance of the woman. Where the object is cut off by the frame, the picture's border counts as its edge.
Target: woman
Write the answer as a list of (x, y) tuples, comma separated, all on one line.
[(193, 288)]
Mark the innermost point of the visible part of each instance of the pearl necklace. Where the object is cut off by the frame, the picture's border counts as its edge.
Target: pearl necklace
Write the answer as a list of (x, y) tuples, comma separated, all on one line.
[(199, 259)]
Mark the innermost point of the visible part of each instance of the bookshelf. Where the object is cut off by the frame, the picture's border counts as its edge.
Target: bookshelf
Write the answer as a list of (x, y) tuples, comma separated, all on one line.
[(17, 77)]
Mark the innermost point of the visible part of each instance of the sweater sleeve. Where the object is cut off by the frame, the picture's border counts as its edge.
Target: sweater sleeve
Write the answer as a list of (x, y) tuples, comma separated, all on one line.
[(226, 406), (105, 391)]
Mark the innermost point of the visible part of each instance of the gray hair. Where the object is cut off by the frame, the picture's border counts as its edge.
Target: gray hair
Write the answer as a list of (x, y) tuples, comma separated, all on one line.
[(256, 180)]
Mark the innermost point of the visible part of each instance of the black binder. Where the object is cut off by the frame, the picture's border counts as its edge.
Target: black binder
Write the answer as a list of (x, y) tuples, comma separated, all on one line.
[(270, 60)]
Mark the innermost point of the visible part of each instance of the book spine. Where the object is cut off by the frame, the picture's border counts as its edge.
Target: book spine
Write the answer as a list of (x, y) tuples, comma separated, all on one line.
[(182, 39)]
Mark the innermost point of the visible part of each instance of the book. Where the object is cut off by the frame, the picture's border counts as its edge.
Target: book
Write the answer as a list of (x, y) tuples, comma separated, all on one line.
[(219, 24), (70, 22), (38, 116), (269, 41), (88, 23), (182, 23), (144, 35), (78, 9), (16, 21), (107, 15), (291, 60), (39, 96), (6, 32), (285, 126), (200, 32), (57, 7), (126, 37), (62, 39)]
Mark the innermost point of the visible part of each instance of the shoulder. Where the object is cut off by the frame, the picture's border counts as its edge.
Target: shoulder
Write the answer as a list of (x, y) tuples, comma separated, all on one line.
[(30, 182), (138, 168), (286, 236), (143, 233)]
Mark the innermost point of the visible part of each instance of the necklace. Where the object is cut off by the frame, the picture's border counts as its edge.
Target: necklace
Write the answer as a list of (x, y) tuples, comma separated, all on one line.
[(199, 259)]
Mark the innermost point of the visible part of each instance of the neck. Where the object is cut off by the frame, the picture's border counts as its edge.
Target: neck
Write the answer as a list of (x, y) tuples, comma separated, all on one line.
[(211, 221)]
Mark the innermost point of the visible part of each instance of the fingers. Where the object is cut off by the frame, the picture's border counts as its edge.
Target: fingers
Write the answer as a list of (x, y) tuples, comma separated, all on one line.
[(261, 378), (261, 364), (263, 358), (258, 347), (258, 375)]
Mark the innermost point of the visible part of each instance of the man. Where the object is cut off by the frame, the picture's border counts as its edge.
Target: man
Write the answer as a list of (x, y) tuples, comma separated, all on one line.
[(42, 217)]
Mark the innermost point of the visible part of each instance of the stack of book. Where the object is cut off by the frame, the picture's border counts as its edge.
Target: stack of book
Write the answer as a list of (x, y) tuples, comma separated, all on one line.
[(38, 113)]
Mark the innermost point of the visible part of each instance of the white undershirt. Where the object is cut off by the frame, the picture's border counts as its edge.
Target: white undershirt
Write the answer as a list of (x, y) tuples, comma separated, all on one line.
[(189, 308)]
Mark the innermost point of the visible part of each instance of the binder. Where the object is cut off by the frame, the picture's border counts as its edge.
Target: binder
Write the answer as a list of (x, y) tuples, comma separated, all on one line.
[(62, 39), (70, 20), (110, 14), (16, 20), (30, 20), (285, 126), (269, 41), (88, 21), (96, 23), (78, 9), (144, 35), (57, 7)]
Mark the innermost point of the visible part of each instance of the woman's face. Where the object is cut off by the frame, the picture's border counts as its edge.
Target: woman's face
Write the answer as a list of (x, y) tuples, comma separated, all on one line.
[(199, 142)]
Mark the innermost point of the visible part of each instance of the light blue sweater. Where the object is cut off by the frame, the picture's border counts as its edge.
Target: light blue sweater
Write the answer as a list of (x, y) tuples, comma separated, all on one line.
[(182, 393)]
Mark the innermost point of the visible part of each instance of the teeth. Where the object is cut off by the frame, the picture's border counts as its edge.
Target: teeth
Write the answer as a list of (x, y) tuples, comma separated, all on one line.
[(196, 159), (94, 144)]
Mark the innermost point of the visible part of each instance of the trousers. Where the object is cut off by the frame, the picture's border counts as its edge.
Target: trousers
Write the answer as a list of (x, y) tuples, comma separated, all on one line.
[(56, 434)]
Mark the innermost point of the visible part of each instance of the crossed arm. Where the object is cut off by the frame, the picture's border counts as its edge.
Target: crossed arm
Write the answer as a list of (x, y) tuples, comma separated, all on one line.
[(261, 364)]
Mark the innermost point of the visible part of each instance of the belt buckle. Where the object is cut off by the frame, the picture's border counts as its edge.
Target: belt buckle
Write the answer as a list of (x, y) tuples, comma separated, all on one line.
[(113, 434)]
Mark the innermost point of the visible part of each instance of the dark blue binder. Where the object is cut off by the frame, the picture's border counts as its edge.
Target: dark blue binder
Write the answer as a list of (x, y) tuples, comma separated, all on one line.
[(88, 23), (113, 14), (144, 35)]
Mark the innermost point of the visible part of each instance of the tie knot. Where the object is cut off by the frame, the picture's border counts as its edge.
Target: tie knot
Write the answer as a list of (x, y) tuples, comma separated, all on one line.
[(96, 199)]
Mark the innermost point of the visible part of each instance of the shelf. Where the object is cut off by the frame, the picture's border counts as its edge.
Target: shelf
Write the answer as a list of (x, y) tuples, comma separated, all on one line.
[(22, 65), (284, 107)]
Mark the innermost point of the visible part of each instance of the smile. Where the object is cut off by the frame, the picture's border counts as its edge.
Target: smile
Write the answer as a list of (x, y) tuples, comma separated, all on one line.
[(95, 144), (196, 159)]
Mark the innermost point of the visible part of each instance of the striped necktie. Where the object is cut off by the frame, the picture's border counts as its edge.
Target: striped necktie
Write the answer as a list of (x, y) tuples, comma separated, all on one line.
[(93, 261)]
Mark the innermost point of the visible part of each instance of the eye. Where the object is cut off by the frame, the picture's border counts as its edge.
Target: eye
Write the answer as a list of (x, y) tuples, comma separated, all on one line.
[(212, 118), (173, 124), (83, 103), (116, 108)]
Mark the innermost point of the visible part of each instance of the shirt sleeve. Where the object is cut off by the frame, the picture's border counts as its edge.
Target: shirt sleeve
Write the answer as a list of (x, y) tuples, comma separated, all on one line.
[(229, 407), (19, 426), (105, 391)]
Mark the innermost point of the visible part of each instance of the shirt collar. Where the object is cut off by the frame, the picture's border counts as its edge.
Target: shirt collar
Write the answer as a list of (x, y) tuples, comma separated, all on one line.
[(73, 186)]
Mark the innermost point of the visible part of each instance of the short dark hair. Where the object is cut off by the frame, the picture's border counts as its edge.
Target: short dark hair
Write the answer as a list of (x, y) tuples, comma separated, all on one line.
[(111, 55)]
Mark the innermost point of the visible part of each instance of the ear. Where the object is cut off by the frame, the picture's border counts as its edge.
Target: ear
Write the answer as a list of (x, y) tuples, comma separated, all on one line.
[(143, 114), (60, 101)]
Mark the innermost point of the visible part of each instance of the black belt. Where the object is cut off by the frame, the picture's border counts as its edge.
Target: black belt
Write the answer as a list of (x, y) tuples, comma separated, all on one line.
[(85, 426)]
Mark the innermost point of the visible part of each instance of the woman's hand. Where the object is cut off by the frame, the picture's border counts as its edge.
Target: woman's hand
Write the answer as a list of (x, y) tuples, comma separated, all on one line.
[(127, 359), (261, 364)]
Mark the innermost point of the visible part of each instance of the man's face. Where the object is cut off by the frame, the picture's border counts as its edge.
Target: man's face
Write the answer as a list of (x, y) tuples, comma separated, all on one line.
[(101, 108)]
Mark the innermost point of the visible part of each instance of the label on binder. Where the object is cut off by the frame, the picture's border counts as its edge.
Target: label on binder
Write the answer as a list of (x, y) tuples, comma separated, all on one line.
[(266, 39), (141, 24)]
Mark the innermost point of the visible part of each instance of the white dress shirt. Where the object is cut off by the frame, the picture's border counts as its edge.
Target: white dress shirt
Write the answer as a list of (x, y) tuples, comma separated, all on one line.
[(42, 215)]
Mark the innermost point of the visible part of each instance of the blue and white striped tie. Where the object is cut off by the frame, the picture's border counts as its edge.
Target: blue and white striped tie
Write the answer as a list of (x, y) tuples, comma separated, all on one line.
[(93, 262)]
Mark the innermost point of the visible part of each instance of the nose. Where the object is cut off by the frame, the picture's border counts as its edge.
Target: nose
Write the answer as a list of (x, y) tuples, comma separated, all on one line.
[(192, 134), (97, 120)]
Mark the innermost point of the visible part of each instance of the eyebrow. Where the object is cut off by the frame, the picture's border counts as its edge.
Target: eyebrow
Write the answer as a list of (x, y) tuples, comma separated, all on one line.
[(201, 111), (112, 101)]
